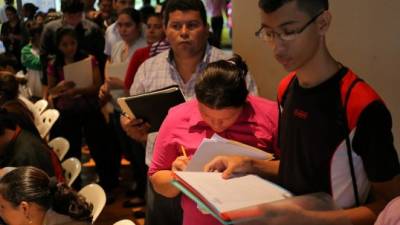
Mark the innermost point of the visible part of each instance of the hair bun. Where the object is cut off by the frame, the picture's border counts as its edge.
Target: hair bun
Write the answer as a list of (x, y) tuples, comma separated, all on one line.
[(53, 185), (240, 64)]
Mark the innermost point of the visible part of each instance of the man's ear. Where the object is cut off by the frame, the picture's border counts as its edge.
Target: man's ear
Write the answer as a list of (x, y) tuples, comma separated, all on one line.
[(324, 22)]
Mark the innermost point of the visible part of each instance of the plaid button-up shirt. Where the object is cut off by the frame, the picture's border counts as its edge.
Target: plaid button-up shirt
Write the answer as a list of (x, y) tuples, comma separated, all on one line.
[(159, 72)]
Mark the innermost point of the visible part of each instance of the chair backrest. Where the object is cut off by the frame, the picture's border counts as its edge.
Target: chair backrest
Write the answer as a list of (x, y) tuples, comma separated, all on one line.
[(72, 168), (41, 105), (60, 146), (31, 107), (94, 194), (47, 120), (124, 222)]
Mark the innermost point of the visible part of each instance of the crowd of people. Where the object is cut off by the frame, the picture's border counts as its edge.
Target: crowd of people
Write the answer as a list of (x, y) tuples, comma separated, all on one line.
[(329, 131)]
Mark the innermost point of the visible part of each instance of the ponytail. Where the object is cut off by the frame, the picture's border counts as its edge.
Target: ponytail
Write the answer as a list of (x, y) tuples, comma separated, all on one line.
[(33, 185)]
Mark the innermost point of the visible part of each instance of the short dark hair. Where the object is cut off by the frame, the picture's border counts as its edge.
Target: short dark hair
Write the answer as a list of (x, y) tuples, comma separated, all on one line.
[(223, 84), (158, 15), (8, 60), (31, 184), (311, 7), (8, 88), (185, 5), (11, 9), (133, 14), (146, 11), (34, 29), (7, 121), (72, 6), (30, 7)]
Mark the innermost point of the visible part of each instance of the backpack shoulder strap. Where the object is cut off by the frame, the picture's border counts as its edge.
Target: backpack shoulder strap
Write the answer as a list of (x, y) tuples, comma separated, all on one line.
[(356, 95), (283, 86)]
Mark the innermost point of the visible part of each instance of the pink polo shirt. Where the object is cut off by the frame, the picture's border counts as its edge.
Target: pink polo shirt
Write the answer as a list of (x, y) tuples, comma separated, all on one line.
[(391, 214), (256, 126)]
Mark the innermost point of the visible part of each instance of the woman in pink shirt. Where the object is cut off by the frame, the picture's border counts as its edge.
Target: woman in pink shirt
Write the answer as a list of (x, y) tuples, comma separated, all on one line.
[(222, 106)]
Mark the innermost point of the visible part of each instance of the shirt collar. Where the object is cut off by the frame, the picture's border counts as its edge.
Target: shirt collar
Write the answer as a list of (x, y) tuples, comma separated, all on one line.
[(203, 63)]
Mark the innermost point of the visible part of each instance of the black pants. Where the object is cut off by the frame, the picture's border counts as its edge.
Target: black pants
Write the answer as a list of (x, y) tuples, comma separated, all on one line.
[(134, 151), (217, 24), (90, 124), (161, 210)]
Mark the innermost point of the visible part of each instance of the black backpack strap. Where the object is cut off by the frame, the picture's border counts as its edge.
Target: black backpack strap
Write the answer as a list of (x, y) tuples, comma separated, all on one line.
[(348, 143), (280, 104)]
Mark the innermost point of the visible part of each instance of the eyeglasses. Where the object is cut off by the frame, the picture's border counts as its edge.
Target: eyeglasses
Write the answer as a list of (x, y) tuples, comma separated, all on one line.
[(269, 36)]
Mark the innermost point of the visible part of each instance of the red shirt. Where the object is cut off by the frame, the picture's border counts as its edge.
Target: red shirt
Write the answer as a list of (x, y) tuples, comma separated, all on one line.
[(137, 59)]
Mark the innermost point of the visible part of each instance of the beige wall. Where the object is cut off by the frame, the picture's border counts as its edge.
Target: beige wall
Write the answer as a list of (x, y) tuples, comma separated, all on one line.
[(366, 39)]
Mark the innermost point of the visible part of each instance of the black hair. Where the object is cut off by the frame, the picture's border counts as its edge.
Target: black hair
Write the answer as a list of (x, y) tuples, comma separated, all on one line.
[(51, 10), (34, 29), (7, 121), (72, 6), (133, 14), (223, 84), (158, 15), (8, 88), (31, 9), (8, 60), (311, 7), (185, 5), (11, 9), (31, 184), (40, 13), (146, 11)]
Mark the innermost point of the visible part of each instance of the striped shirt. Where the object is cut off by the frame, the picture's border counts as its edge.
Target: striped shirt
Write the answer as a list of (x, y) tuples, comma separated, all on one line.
[(160, 72)]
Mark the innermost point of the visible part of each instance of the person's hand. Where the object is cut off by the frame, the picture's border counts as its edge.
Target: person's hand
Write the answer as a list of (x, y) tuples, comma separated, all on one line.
[(279, 214), (62, 87), (229, 165), (180, 163), (71, 92), (104, 93), (136, 129), (65, 84)]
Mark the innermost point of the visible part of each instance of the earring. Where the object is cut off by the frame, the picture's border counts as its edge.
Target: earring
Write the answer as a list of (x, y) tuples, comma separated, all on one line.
[(29, 220)]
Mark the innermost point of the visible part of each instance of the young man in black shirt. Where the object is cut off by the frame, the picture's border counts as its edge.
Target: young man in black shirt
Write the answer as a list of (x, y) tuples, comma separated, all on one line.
[(327, 114)]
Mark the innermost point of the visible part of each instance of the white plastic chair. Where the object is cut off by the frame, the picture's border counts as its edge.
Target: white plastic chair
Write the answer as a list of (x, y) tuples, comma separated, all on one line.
[(40, 105), (60, 146), (72, 168), (124, 222), (95, 195), (47, 120), (31, 107)]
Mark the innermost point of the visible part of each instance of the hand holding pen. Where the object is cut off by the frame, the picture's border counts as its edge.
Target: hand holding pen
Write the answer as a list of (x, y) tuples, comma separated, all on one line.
[(181, 162)]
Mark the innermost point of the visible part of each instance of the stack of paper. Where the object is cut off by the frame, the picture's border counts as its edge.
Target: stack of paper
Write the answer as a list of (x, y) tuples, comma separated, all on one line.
[(216, 145), (81, 73)]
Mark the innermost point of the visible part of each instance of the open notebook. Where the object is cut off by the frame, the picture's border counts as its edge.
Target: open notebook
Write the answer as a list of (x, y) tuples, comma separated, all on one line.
[(209, 148), (228, 200)]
